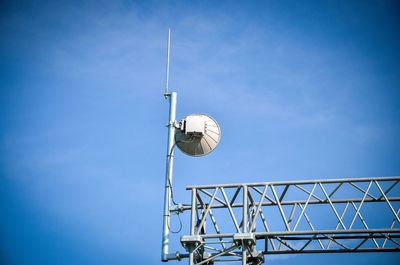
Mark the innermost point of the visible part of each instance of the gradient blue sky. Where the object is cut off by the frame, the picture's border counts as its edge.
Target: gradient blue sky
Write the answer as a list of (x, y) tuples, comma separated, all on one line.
[(301, 90)]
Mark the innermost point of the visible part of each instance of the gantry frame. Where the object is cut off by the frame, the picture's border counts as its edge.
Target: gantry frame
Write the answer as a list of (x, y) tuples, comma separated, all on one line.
[(292, 217)]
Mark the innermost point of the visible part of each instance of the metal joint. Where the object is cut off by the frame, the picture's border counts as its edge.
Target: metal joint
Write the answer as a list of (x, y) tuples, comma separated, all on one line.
[(174, 256), (244, 239), (176, 209), (191, 242)]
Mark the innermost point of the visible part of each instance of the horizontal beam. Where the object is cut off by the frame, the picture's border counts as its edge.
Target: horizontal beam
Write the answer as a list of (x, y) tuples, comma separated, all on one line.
[(309, 251), (188, 207), (377, 235), (301, 182), (316, 232)]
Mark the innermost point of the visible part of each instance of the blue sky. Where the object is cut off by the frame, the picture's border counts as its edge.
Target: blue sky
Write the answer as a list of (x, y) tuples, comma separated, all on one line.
[(301, 90)]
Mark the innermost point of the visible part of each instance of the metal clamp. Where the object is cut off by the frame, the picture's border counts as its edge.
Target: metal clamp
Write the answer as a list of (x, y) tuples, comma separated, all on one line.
[(176, 209), (191, 242), (244, 239)]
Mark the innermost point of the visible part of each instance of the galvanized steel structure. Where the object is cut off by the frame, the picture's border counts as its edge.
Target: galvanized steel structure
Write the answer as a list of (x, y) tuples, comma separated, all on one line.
[(316, 216), (244, 222)]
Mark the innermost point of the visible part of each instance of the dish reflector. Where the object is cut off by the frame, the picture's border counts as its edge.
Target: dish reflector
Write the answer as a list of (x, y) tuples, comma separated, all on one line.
[(199, 134)]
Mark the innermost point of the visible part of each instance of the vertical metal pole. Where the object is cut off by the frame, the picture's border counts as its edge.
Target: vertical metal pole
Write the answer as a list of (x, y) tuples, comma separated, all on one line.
[(192, 223), (245, 209), (168, 176)]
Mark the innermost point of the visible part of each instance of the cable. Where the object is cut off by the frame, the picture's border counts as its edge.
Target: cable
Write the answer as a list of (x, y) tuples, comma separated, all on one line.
[(169, 180), (180, 225), (172, 193)]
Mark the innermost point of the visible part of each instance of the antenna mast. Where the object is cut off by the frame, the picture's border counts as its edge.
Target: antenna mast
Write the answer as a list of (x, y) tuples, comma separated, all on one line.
[(169, 164)]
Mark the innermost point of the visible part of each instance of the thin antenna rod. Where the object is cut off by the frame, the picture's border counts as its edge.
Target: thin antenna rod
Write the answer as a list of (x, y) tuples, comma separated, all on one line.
[(166, 85)]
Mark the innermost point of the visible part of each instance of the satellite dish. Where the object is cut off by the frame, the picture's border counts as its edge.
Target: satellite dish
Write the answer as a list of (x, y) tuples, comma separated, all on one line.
[(198, 135)]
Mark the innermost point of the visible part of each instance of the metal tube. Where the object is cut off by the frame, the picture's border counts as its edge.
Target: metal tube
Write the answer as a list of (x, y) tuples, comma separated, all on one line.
[(383, 194), (266, 196), (337, 226), (206, 212), (305, 206), (280, 208), (193, 213), (355, 186), (218, 255), (192, 222), (333, 192), (210, 195), (391, 227), (253, 224), (306, 191), (245, 206), (291, 233), (279, 183), (364, 223), (244, 209), (230, 210), (359, 207), (345, 236), (306, 251), (312, 227), (392, 199), (168, 176), (283, 193), (266, 228), (216, 227), (391, 187), (235, 195), (333, 207)]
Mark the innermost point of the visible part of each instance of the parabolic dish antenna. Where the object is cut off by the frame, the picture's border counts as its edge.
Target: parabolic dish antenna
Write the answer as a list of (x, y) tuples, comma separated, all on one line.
[(198, 135)]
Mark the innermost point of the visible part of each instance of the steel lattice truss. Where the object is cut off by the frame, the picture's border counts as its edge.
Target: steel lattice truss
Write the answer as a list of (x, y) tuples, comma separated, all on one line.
[(244, 222)]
